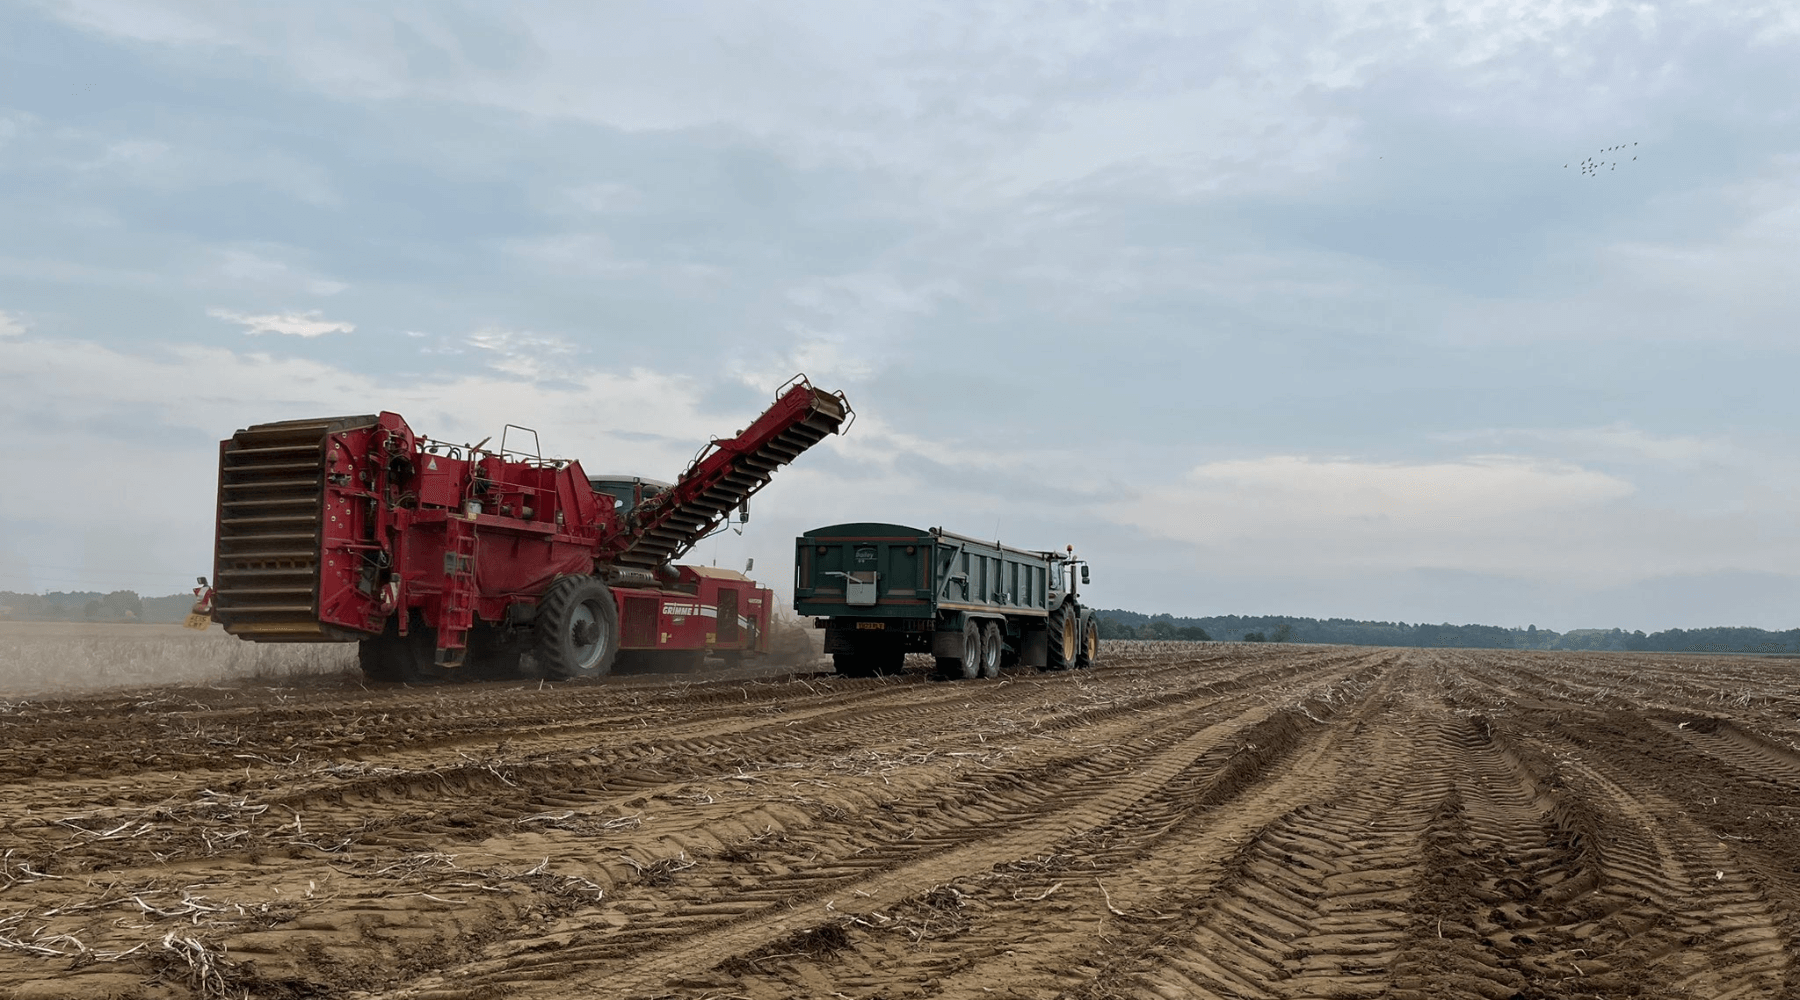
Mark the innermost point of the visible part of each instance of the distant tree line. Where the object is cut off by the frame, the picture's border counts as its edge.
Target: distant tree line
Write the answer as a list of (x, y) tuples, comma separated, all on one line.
[(1120, 624), (93, 606)]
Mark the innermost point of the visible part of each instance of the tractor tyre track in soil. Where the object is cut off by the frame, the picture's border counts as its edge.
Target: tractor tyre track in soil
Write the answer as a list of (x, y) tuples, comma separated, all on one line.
[(1185, 820)]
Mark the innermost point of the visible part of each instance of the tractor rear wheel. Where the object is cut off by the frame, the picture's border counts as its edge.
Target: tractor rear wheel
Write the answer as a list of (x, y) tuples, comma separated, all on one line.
[(1090, 644), (991, 645), (577, 629), (1063, 637)]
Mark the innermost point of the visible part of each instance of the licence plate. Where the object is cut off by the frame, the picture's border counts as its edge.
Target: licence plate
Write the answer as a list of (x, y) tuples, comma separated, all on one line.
[(871, 624)]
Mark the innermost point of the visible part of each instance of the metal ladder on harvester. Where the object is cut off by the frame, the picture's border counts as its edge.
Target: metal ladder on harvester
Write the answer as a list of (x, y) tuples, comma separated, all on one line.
[(726, 474), (456, 614)]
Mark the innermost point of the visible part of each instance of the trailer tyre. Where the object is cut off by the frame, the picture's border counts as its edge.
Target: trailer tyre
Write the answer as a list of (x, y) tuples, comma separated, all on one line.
[(852, 665), (577, 629), (991, 645), (890, 663), (1090, 643), (972, 650)]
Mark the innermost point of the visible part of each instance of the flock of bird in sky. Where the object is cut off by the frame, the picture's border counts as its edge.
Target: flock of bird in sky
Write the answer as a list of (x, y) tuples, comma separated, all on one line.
[(1591, 166)]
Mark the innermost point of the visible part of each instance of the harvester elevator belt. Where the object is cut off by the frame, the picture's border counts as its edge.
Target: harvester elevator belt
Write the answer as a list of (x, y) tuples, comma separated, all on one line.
[(677, 528)]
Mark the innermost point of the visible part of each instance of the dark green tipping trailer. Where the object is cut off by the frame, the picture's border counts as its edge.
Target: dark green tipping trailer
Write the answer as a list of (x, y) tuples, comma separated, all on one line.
[(881, 591)]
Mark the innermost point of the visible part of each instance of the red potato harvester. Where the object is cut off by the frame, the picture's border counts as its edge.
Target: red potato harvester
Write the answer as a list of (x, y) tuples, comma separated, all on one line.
[(448, 562)]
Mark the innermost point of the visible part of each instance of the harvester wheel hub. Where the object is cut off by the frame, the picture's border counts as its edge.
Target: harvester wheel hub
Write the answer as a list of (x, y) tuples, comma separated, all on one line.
[(585, 635), (577, 629), (584, 630)]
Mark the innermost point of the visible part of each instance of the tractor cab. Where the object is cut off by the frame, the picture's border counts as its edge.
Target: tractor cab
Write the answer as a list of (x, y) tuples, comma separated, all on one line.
[(627, 491)]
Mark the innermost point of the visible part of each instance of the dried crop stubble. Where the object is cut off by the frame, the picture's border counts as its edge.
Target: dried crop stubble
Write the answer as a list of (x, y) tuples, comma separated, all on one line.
[(44, 658), (1190, 819)]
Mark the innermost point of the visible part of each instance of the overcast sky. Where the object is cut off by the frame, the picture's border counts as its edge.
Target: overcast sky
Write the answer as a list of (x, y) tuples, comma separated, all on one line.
[(1328, 309)]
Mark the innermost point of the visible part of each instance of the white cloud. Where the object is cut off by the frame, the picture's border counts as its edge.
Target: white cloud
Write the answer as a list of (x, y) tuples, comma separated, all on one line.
[(12, 125), (635, 421), (214, 390), (870, 293), (10, 325), (1010, 97), (292, 324), (1559, 527), (1429, 497), (821, 357), (239, 266), (581, 255), (589, 254), (844, 327), (200, 393), (526, 355), (1732, 281), (605, 196), (1333, 517), (1011, 170), (157, 410), (1618, 442), (163, 165), (1182, 145)]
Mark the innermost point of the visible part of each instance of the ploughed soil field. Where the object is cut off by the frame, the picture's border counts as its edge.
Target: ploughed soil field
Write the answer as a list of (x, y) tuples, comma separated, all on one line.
[(1187, 820)]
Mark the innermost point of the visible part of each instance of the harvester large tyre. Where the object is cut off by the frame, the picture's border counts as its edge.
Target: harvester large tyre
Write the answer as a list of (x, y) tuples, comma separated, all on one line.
[(405, 659), (577, 629), (1064, 644), (1090, 644), (991, 645), (495, 653), (969, 667), (379, 658)]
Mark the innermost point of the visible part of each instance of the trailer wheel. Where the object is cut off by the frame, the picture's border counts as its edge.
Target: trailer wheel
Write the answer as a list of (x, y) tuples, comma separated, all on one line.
[(972, 649), (851, 665), (991, 644), (1064, 644), (1090, 644), (577, 629), (890, 662)]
